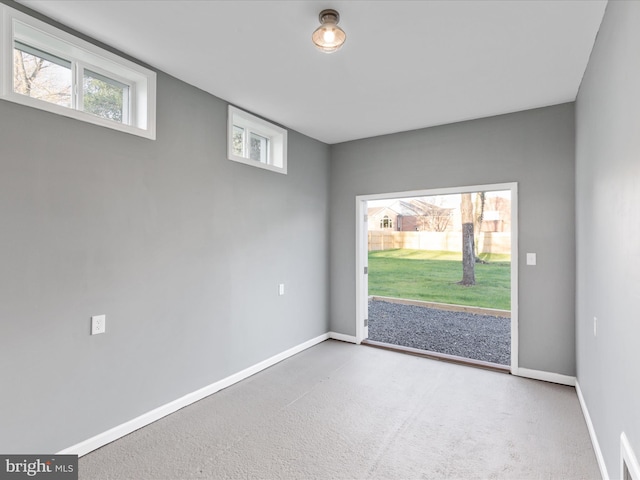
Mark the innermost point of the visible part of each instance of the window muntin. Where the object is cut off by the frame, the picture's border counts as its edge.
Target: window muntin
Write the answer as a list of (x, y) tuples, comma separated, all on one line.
[(73, 77), (254, 141)]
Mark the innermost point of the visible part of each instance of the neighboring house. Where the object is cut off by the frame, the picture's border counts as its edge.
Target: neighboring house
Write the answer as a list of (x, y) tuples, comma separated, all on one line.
[(383, 218), (417, 215), (420, 215), (413, 215)]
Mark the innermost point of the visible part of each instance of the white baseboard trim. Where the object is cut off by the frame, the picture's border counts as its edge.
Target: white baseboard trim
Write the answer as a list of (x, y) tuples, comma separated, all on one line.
[(342, 337), (628, 458), (546, 376), (592, 434), (145, 419)]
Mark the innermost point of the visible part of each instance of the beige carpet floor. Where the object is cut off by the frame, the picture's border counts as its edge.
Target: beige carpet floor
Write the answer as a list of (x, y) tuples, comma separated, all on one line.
[(353, 412)]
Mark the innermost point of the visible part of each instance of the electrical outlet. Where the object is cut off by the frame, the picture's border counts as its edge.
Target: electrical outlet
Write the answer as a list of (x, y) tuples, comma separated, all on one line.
[(531, 259), (98, 324), (595, 326)]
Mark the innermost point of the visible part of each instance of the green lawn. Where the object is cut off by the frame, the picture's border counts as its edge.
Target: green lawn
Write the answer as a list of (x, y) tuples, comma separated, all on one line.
[(432, 276)]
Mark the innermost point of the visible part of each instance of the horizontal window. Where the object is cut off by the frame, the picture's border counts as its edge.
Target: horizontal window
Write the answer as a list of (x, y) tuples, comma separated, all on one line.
[(254, 141), (52, 70)]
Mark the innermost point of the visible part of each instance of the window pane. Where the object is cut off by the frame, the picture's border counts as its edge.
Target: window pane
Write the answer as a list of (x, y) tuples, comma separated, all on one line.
[(258, 148), (105, 97), (238, 141), (37, 74)]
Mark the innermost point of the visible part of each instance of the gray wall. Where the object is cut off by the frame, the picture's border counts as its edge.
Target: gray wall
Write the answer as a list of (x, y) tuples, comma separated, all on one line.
[(182, 249), (608, 231), (534, 148)]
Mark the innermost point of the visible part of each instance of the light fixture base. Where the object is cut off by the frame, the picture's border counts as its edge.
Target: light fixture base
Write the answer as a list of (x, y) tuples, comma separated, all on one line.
[(329, 12)]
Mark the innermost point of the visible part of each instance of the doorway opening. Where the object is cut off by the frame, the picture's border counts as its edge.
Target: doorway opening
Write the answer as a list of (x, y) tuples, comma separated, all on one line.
[(437, 273)]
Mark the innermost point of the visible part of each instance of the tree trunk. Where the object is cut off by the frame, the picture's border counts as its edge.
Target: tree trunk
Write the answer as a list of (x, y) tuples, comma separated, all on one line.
[(468, 247), (478, 219)]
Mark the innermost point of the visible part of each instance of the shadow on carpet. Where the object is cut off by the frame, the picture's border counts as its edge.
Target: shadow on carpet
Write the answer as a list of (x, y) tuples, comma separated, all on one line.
[(469, 335)]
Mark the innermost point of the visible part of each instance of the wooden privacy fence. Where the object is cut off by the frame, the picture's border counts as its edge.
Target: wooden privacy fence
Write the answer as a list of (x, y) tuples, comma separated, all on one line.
[(488, 242)]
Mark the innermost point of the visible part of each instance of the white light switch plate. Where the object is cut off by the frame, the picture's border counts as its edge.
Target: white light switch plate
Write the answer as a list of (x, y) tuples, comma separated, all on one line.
[(531, 258), (281, 289), (98, 324)]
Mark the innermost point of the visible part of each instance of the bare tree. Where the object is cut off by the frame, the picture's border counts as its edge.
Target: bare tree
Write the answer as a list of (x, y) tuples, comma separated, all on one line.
[(429, 216), (438, 218), (39, 78), (22, 79)]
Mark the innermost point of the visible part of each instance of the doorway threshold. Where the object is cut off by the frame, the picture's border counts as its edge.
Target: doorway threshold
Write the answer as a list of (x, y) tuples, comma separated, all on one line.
[(495, 367)]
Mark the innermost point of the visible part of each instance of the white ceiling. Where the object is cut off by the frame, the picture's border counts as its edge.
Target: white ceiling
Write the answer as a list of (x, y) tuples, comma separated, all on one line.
[(405, 65)]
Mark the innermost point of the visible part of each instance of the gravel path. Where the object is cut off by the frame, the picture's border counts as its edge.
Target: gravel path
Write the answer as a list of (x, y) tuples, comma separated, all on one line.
[(481, 337)]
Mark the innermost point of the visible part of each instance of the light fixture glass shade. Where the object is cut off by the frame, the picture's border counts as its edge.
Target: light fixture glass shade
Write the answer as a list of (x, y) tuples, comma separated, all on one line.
[(329, 37)]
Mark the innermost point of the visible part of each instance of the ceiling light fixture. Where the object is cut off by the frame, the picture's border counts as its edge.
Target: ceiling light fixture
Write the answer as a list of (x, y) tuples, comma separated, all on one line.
[(329, 37)]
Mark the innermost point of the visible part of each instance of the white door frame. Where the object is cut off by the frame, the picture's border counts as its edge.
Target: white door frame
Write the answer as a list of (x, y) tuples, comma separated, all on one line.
[(362, 284)]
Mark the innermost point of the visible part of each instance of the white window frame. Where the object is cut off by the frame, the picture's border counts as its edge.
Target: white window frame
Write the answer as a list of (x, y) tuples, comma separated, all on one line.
[(276, 160), (139, 114)]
